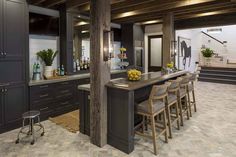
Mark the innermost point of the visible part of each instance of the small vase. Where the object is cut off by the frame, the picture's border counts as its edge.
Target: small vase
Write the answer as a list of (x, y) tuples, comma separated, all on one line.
[(48, 71)]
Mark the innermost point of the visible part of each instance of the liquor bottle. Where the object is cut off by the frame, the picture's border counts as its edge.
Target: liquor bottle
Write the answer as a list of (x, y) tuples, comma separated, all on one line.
[(88, 63), (37, 68), (62, 70), (74, 66), (85, 64), (34, 68), (58, 71), (77, 65)]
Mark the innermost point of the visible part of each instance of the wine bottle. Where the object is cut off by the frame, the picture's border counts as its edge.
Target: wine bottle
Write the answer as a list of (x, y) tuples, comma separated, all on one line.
[(62, 70)]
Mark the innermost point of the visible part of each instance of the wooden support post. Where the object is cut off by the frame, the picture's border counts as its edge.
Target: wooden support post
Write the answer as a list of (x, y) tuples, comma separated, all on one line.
[(168, 37), (100, 18)]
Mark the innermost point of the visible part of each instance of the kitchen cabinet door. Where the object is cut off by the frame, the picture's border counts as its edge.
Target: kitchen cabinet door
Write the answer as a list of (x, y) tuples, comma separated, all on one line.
[(12, 71), (14, 26), (1, 106), (1, 29), (14, 103)]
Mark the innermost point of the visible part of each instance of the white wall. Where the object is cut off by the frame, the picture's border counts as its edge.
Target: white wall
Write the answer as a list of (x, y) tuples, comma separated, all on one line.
[(38, 43), (150, 30), (228, 34)]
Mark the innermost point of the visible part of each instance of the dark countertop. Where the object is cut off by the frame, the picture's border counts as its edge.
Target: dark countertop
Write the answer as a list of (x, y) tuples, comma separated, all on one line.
[(68, 78), (146, 79)]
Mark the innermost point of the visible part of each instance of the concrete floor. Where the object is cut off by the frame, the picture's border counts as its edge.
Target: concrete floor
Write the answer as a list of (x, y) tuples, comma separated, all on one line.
[(211, 132)]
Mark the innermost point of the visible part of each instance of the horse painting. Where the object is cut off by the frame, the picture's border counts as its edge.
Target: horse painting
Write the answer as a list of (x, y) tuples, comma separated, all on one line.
[(185, 52)]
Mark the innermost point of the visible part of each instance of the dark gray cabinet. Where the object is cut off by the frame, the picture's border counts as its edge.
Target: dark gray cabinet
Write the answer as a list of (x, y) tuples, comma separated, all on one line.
[(1, 106), (13, 56), (14, 103)]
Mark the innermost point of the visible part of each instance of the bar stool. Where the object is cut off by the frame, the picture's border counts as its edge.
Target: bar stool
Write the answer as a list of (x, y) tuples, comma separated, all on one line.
[(183, 95), (172, 103), (150, 109), (190, 89), (31, 116)]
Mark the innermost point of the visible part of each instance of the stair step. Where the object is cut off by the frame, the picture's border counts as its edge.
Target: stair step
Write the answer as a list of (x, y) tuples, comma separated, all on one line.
[(219, 68), (213, 75), (223, 72), (217, 80)]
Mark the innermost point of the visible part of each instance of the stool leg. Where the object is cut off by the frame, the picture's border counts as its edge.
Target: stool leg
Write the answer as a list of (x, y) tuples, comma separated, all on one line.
[(189, 103), (186, 105), (41, 126), (169, 121), (154, 134), (18, 136), (165, 126), (33, 133), (180, 111), (194, 101), (177, 115)]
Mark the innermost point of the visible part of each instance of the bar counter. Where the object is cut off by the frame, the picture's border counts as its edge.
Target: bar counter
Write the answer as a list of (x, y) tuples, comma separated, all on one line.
[(123, 95)]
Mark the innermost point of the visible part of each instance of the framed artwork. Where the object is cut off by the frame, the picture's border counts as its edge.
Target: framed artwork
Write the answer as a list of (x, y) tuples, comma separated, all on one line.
[(184, 52)]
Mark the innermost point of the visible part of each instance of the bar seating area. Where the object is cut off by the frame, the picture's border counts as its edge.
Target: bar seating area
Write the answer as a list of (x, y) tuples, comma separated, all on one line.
[(165, 108)]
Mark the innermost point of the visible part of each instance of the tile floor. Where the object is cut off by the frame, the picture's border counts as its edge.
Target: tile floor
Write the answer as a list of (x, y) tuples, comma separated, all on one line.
[(211, 132)]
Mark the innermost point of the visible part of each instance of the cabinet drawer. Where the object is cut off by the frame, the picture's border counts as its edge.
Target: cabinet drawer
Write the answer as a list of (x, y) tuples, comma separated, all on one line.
[(65, 93), (41, 97)]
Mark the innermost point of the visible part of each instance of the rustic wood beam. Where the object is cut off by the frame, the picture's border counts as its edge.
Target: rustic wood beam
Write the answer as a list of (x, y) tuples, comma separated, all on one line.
[(183, 11), (154, 6), (75, 3), (36, 2), (168, 37), (100, 18), (51, 3)]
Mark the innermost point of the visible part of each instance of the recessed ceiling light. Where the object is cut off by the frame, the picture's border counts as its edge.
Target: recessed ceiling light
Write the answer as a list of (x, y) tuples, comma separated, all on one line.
[(81, 23), (85, 31)]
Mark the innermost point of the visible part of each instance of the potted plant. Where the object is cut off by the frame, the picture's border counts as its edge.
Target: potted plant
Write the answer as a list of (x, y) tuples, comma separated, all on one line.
[(47, 56), (207, 54)]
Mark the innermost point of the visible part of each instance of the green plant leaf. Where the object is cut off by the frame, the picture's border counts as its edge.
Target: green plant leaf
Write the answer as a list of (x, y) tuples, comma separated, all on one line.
[(47, 56)]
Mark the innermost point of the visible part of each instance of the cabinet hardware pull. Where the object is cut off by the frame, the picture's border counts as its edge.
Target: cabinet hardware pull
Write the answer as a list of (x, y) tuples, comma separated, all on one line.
[(2, 53), (65, 83), (2, 90), (44, 109), (44, 95), (64, 103), (65, 91), (5, 54), (45, 86), (5, 90), (88, 97)]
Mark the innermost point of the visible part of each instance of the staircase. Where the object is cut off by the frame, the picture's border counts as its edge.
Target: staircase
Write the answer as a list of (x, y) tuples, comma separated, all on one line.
[(218, 75)]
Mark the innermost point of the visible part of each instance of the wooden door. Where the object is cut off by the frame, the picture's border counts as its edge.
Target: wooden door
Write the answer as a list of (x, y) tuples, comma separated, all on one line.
[(155, 53), (14, 26), (14, 103)]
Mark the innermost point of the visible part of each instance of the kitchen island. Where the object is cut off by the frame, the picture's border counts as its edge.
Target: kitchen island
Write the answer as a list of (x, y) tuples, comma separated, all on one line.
[(122, 97)]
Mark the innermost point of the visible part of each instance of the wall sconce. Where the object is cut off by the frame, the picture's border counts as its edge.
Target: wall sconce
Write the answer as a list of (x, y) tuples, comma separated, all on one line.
[(173, 51), (108, 47)]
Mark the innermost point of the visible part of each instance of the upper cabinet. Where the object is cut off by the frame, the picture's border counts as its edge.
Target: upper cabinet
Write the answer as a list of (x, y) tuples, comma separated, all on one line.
[(14, 28), (1, 29)]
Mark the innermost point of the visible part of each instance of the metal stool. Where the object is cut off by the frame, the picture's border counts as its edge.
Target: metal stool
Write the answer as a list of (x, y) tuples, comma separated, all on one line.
[(31, 116)]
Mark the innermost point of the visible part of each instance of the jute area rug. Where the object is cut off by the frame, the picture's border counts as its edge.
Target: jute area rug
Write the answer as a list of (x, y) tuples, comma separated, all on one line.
[(69, 121)]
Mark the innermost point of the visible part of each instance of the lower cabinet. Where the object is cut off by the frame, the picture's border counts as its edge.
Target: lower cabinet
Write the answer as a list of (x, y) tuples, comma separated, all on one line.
[(56, 98), (12, 105)]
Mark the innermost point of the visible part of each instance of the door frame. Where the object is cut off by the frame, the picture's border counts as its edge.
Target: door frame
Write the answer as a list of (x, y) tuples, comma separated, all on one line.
[(149, 53)]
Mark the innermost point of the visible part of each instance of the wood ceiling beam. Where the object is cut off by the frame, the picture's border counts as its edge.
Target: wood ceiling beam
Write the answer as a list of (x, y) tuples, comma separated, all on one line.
[(76, 3), (154, 6), (36, 2), (51, 3), (189, 10)]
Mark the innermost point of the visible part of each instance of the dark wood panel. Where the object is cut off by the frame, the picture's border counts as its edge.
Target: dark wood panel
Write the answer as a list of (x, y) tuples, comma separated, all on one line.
[(12, 71), (15, 103), (1, 107)]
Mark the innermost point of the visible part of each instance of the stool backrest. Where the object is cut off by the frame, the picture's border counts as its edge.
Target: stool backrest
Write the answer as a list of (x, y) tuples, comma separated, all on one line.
[(159, 92), (174, 85), (185, 81)]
